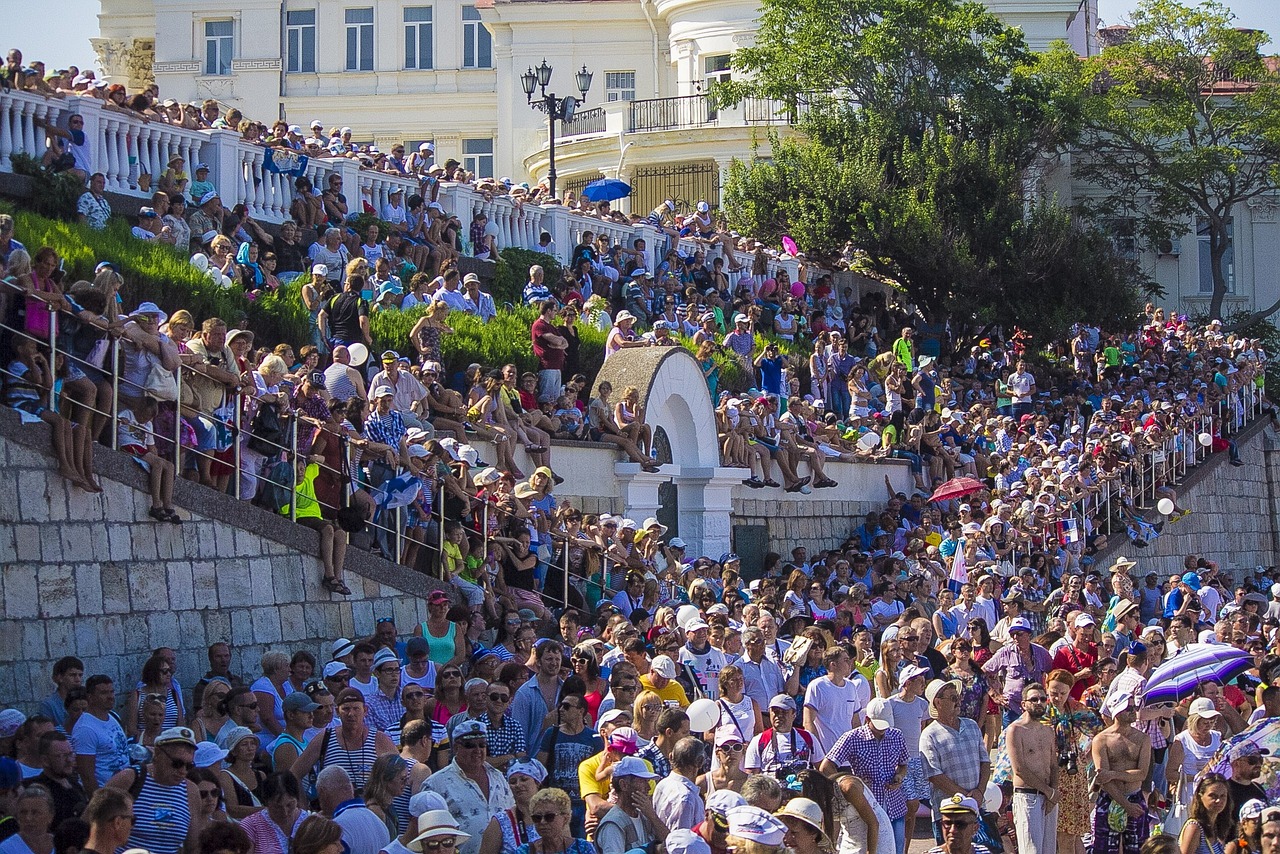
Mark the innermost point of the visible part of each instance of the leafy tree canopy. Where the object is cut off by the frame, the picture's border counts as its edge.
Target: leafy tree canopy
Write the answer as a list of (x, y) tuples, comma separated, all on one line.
[(927, 123), (1180, 120)]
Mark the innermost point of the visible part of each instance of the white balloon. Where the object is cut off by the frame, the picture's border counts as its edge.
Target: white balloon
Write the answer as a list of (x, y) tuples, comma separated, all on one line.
[(226, 281), (992, 799), (200, 261), (1165, 506), (1205, 439), (215, 274), (359, 354), (703, 715), (686, 615)]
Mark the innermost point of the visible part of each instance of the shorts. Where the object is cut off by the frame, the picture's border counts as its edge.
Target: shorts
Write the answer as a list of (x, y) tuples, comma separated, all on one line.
[(29, 406), (916, 785)]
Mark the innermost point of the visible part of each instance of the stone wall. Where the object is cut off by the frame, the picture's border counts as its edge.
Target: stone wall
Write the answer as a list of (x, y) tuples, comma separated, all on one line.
[(1234, 518), (815, 524), (93, 576)]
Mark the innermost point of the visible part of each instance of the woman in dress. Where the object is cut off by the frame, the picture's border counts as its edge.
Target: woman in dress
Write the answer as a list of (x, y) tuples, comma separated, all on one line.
[(449, 698), (862, 818), (273, 828), (973, 694), (157, 678), (33, 810), (211, 718), (271, 688), (945, 623), (738, 712), (585, 667), (240, 780), (1211, 820), (550, 811), (1191, 750), (1074, 725), (387, 781), (429, 331)]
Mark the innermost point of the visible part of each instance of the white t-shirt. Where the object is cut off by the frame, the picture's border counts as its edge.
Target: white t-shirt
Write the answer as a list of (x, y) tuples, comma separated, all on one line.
[(707, 665), (367, 688), (891, 610), (104, 740), (833, 709), (1211, 599), (908, 717)]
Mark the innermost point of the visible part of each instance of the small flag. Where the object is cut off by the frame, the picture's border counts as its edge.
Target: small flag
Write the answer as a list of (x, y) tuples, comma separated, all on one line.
[(1069, 531)]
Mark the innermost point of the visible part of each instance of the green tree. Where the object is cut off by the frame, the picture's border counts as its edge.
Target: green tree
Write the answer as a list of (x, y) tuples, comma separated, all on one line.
[(1181, 120), (923, 148)]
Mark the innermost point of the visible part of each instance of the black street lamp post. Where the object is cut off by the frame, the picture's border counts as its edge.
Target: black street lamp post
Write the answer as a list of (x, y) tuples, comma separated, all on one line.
[(561, 109)]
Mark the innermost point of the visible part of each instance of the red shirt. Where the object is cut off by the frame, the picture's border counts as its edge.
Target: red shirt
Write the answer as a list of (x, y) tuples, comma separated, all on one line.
[(549, 358), (1071, 659)]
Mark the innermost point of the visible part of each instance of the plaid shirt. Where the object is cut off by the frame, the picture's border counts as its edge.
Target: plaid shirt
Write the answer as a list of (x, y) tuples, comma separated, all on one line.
[(388, 429), (383, 712), (507, 739), (876, 761)]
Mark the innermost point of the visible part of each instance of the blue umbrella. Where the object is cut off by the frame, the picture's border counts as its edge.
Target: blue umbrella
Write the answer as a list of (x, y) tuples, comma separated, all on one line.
[(606, 190), (1177, 678)]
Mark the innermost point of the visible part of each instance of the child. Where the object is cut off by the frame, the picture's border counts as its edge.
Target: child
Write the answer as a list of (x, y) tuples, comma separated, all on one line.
[(28, 383), (137, 437), (418, 513), (569, 416)]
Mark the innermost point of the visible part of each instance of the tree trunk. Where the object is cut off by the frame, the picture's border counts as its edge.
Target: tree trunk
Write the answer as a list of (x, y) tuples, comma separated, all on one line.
[(1218, 242)]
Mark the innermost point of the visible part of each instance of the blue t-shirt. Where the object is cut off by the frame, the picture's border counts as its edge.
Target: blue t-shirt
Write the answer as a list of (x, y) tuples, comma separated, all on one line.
[(771, 375), (570, 752)]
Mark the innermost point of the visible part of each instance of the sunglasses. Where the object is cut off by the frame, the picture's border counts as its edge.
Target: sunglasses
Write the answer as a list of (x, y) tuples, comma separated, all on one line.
[(473, 743), (570, 706), (437, 844), (946, 822), (544, 817), (499, 698), (414, 695), (733, 747)]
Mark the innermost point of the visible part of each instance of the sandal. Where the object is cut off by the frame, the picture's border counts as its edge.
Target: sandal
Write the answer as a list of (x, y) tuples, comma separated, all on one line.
[(171, 516), (158, 513), (772, 482), (329, 584), (340, 587)]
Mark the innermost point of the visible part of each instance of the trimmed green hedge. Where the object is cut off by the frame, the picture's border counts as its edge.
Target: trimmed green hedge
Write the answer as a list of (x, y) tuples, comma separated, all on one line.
[(162, 275), (512, 273)]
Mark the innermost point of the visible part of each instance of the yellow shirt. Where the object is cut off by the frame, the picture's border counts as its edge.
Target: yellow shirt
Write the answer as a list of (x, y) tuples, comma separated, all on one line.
[(305, 495), (589, 785), (672, 692)]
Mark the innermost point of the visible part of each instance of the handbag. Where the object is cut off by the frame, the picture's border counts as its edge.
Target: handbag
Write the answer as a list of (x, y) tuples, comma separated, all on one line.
[(350, 517), (162, 383), (266, 435), (1178, 812)]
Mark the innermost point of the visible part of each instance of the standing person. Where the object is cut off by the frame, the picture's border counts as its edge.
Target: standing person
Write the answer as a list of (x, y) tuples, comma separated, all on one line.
[(565, 747), (537, 697), (1013, 667), (352, 745), (676, 799), (633, 822), (550, 347), (1211, 822), (783, 746), (1034, 760), (68, 673), (833, 703), (953, 755), (164, 800), (877, 753), (111, 818), (102, 749), (1121, 755), (58, 775), (474, 790), (910, 713)]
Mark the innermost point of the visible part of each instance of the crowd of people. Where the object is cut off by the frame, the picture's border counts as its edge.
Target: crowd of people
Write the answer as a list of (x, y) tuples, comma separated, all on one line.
[(768, 719)]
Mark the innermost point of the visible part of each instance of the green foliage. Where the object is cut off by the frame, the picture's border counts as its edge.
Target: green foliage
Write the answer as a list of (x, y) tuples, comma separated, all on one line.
[(1163, 139), (513, 272), (53, 194), (158, 273), (360, 224), (928, 176)]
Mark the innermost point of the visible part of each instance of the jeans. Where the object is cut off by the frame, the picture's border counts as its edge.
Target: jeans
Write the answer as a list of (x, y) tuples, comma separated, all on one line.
[(917, 465), (900, 833)]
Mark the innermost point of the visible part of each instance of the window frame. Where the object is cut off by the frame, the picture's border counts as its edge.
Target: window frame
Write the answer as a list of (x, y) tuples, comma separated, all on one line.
[(475, 36), (611, 89), (301, 32), (215, 44), (359, 36), (472, 160), (413, 29)]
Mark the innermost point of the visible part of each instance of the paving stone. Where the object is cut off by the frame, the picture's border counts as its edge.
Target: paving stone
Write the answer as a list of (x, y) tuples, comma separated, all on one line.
[(115, 588)]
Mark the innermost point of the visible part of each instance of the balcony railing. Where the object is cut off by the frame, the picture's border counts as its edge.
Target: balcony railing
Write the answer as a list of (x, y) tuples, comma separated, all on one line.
[(771, 111), (583, 123), (669, 113)]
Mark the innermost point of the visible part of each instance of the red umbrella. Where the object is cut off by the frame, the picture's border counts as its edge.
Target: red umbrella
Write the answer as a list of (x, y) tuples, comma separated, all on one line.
[(957, 487)]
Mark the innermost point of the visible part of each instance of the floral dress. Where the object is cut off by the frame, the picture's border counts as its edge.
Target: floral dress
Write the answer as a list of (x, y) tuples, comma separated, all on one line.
[(973, 696), (1073, 729)]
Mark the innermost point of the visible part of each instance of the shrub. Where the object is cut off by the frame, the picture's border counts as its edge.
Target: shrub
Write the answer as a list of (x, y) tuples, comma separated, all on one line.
[(513, 272), (53, 194), (163, 275)]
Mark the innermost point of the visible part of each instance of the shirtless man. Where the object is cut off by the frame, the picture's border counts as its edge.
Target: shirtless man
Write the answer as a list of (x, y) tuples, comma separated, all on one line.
[(1122, 755), (1033, 756)]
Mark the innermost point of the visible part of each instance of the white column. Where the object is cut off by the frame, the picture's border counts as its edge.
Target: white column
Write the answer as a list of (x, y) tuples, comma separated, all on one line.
[(7, 111), (639, 489), (706, 506)]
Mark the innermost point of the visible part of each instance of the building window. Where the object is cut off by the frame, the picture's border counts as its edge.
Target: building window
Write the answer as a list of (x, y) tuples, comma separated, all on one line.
[(412, 146), (360, 39), (1124, 236), (1206, 263), (218, 43), (716, 69), (418, 50), (619, 86), (477, 44), (301, 31), (477, 157)]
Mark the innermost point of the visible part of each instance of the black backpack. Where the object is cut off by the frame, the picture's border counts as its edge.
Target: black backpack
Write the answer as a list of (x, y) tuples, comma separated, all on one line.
[(266, 433)]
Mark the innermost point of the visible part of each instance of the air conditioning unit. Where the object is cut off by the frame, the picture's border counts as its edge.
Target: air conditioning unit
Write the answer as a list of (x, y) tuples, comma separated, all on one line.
[(1171, 247)]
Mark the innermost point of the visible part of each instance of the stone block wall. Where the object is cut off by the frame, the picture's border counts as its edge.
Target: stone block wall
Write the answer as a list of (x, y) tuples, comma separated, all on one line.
[(94, 576), (815, 523), (1233, 519)]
